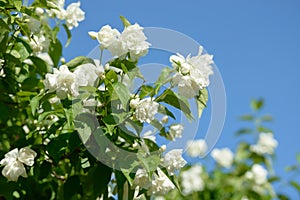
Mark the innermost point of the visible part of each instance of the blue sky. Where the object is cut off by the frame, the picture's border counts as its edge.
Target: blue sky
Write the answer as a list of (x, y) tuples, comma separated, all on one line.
[(255, 46)]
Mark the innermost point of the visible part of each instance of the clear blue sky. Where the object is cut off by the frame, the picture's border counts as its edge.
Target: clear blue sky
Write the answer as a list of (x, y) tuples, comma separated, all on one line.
[(255, 46)]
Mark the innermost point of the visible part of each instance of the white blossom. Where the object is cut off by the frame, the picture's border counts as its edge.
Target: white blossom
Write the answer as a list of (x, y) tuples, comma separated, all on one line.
[(57, 10), (258, 174), (173, 160), (134, 102), (175, 131), (141, 178), (266, 144), (39, 11), (74, 15), (14, 161), (106, 36), (65, 82), (146, 110), (192, 72), (134, 40), (86, 74), (165, 119), (196, 148), (39, 43), (161, 184), (223, 156), (34, 25), (191, 180)]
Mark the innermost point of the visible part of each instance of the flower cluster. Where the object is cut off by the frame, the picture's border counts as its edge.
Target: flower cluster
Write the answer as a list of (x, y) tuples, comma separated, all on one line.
[(266, 144), (224, 157), (191, 180), (192, 73), (65, 82), (145, 109), (159, 182), (14, 161), (72, 14), (196, 148), (132, 40)]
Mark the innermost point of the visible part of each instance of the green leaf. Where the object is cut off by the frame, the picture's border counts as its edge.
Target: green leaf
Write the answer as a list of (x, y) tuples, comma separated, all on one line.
[(150, 162), (3, 25), (41, 66), (135, 73), (97, 181), (178, 102), (68, 34), (57, 147), (244, 131), (146, 90), (80, 60), (247, 118), (257, 104), (125, 22), (55, 51), (267, 118), (164, 110), (72, 187), (18, 4), (295, 185), (202, 101), (122, 93)]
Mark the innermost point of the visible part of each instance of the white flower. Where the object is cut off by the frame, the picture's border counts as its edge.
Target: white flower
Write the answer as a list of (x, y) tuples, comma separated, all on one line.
[(106, 36), (161, 184), (191, 180), (266, 144), (62, 81), (173, 160), (86, 74), (223, 156), (192, 72), (39, 43), (134, 40), (165, 119), (134, 102), (65, 82), (34, 25), (74, 15), (57, 10), (187, 87), (141, 178), (14, 163), (39, 11), (175, 131), (258, 174), (196, 148), (146, 109)]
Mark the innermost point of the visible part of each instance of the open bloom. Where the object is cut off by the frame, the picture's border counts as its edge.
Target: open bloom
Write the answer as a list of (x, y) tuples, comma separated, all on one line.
[(258, 174), (173, 160), (14, 161), (132, 40), (223, 156), (74, 15), (146, 110), (266, 144), (141, 178), (192, 72), (196, 148), (65, 82), (161, 184), (191, 180), (106, 36), (175, 131)]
